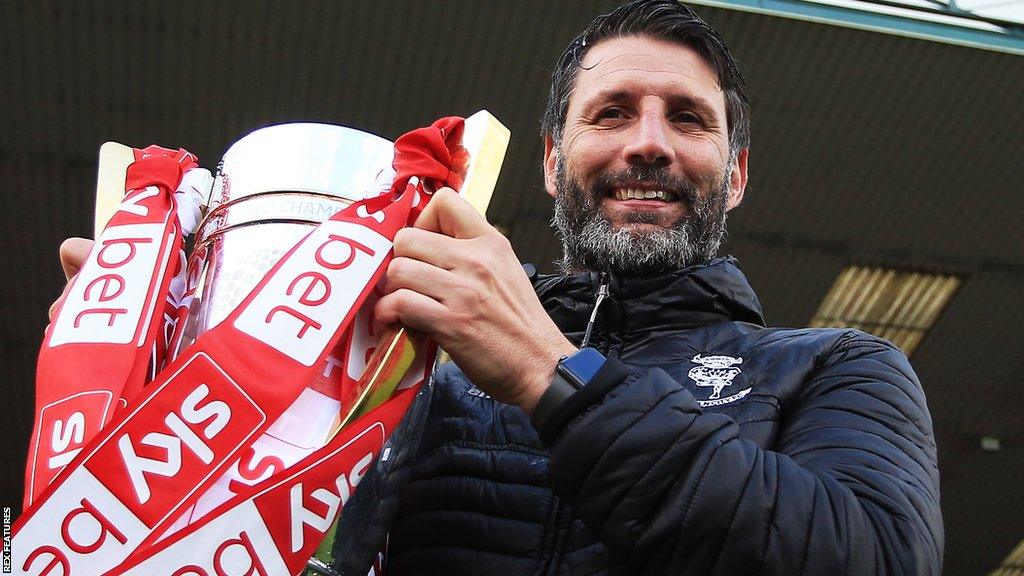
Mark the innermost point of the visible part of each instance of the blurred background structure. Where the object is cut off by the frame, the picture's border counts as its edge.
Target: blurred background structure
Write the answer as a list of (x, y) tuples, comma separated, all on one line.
[(886, 168)]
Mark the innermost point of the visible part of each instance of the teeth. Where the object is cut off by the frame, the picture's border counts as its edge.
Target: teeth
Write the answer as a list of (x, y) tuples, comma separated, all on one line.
[(636, 194)]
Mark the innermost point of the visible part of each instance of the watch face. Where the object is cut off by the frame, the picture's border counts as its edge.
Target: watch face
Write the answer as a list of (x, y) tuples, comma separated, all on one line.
[(581, 366)]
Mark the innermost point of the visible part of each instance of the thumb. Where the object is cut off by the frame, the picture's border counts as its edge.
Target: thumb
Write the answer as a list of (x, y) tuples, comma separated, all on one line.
[(449, 214), (73, 253)]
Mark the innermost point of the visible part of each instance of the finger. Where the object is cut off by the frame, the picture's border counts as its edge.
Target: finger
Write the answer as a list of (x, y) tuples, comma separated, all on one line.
[(451, 215), (411, 309), (432, 247), (73, 253), (418, 276)]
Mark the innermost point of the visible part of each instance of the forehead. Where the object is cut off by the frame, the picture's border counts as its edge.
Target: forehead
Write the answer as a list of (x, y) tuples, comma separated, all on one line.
[(646, 64)]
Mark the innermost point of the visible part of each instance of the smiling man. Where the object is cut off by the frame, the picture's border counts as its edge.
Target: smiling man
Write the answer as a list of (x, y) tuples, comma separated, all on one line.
[(651, 172), (632, 414)]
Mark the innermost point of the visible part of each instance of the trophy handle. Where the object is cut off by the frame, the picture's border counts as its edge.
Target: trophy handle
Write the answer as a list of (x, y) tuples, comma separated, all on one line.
[(486, 139), (113, 167)]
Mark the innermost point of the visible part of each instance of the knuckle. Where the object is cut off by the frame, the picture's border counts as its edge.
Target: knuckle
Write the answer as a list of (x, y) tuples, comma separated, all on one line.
[(447, 200), (391, 307), (482, 267), (472, 303), (399, 242), (404, 239), (477, 265), (400, 272), (459, 321), (397, 268), (405, 300), (397, 302)]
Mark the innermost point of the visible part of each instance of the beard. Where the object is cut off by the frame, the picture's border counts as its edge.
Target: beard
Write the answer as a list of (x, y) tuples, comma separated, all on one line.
[(590, 242)]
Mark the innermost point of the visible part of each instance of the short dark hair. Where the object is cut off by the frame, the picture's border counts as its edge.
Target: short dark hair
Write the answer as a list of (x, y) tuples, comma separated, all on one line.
[(660, 20)]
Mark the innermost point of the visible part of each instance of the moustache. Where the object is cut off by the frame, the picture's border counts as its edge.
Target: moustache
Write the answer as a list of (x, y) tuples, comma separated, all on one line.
[(682, 188)]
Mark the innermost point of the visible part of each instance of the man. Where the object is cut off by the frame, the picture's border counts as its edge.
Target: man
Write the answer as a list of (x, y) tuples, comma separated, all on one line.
[(633, 415), (698, 442)]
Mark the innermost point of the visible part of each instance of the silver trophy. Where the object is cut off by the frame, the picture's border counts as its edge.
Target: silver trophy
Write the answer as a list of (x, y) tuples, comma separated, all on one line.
[(271, 188)]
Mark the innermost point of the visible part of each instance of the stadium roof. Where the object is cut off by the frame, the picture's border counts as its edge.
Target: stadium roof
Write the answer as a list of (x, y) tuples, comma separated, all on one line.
[(986, 24)]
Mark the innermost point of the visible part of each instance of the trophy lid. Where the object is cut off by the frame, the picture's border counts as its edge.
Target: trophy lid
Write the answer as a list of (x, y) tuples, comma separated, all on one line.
[(305, 157)]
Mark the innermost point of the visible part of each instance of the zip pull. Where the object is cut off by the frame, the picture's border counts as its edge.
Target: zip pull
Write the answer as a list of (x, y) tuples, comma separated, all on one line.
[(602, 293)]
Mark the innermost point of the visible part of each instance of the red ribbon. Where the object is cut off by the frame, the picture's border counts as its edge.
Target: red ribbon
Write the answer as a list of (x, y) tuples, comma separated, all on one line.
[(183, 431), (97, 350)]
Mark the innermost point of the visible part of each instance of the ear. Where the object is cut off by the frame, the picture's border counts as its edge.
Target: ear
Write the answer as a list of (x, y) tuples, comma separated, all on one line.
[(738, 179), (550, 161)]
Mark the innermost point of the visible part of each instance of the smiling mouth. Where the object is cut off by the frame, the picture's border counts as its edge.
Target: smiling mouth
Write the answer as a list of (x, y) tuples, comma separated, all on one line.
[(643, 194)]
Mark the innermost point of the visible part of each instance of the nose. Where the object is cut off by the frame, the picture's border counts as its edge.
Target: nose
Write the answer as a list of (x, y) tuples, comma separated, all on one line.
[(650, 142)]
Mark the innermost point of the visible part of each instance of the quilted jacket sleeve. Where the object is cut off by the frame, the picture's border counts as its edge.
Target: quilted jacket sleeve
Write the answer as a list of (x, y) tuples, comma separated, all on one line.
[(851, 487)]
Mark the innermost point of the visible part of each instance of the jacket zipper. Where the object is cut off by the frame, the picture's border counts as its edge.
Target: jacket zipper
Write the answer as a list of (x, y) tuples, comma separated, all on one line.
[(562, 524), (602, 293), (562, 518)]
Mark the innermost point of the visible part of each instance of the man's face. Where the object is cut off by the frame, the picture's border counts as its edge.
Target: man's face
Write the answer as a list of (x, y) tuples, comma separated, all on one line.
[(643, 174)]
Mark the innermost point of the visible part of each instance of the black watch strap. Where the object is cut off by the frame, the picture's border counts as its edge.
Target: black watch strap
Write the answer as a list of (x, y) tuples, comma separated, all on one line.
[(556, 395), (580, 380)]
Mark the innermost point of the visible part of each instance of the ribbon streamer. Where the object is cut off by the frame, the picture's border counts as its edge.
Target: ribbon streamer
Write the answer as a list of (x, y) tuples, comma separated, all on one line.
[(182, 432)]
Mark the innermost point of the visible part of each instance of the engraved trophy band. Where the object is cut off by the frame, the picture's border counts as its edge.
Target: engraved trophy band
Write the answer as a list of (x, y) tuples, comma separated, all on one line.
[(271, 187)]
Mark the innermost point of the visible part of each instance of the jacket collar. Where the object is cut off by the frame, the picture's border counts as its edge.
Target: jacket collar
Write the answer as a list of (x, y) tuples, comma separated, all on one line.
[(687, 298)]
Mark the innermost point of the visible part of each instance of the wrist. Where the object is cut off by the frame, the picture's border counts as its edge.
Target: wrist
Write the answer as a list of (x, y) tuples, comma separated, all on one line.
[(572, 374), (540, 378), (556, 411)]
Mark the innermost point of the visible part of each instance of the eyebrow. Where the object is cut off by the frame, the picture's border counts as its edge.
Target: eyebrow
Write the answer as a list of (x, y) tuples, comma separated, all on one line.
[(675, 100)]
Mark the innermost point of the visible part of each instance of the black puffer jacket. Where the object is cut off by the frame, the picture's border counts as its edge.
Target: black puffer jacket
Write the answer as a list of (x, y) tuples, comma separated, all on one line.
[(707, 445)]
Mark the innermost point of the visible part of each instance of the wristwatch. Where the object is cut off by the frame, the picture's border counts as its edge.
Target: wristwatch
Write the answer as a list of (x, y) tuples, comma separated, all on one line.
[(572, 373)]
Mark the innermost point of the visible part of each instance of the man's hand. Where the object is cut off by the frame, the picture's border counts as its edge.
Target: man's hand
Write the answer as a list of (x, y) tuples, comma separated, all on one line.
[(73, 253), (456, 278)]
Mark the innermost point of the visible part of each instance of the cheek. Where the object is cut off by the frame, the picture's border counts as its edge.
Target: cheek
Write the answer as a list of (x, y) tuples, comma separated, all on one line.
[(589, 152), (704, 165)]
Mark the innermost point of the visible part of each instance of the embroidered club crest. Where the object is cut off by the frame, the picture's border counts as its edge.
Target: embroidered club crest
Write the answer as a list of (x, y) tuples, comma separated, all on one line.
[(716, 372)]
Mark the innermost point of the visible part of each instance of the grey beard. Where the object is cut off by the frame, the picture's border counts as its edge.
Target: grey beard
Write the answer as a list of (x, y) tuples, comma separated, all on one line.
[(589, 242)]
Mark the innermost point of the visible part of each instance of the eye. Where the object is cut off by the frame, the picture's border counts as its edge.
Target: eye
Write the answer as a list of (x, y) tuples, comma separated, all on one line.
[(686, 118), (611, 113)]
